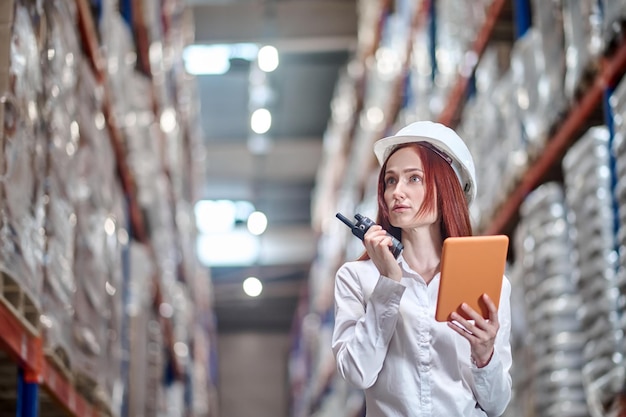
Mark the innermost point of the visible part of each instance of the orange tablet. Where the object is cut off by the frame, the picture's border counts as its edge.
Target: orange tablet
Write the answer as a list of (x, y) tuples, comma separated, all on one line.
[(470, 267)]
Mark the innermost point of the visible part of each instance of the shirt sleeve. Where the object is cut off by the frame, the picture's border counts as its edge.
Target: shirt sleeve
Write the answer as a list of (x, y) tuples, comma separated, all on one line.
[(363, 328), (492, 383)]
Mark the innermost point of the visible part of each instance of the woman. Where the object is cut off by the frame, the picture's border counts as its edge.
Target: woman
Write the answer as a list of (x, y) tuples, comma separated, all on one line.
[(386, 340)]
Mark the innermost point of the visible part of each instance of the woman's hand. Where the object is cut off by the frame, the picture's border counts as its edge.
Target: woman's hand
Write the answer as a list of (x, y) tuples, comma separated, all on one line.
[(377, 244), (481, 334)]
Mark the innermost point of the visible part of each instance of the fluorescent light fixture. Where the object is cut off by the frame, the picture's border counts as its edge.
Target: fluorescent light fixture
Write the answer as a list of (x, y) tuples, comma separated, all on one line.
[(261, 121), (207, 59), (253, 287), (257, 223), (268, 58), (218, 216), (247, 51), (237, 247), (215, 216), (215, 59)]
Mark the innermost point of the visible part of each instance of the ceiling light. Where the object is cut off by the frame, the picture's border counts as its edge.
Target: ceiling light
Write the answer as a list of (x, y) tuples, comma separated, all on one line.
[(207, 59), (257, 223), (237, 247), (215, 59), (261, 121), (214, 216), (253, 287), (268, 58)]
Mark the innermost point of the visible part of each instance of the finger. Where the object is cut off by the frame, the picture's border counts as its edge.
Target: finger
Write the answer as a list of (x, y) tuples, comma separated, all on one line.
[(373, 235), (385, 241), (493, 310), (373, 229), (457, 327), (473, 314), (466, 324)]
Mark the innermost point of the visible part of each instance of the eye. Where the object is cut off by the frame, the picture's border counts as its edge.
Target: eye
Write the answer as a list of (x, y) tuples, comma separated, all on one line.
[(390, 181), (415, 178)]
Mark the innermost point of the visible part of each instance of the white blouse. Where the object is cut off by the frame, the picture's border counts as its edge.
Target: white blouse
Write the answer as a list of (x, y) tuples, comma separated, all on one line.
[(386, 341)]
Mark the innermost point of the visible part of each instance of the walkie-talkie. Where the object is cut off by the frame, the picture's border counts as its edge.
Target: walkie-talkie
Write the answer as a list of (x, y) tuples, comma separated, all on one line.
[(363, 224)]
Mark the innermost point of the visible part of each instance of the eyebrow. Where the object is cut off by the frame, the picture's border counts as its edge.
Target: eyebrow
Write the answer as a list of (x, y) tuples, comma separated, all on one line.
[(405, 171)]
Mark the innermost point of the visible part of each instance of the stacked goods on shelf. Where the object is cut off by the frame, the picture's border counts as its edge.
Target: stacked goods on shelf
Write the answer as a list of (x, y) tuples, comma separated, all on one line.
[(583, 41), (6, 25), (62, 75), (100, 163), (589, 193), (384, 78), (22, 194), (502, 157), (506, 139), (613, 15), (522, 374), (163, 151), (101, 238), (544, 257), (336, 139), (143, 325), (617, 164), (458, 23), (618, 153)]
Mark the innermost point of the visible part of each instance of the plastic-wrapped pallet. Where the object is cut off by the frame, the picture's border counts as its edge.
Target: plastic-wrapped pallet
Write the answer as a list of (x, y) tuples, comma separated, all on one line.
[(458, 22), (618, 108), (139, 309), (21, 188), (491, 126), (528, 69), (480, 129), (61, 104), (543, 248), (522, 399), (583, 42), (98, 203), (547, 17), (588, 179), (619, 148), (613, 16)]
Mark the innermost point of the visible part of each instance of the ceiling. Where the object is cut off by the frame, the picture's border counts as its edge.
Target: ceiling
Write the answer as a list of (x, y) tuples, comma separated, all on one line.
[(314, 39)]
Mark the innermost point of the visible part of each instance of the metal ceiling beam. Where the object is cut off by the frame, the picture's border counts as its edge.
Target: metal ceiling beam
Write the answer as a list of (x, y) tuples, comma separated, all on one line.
[(320, 25)]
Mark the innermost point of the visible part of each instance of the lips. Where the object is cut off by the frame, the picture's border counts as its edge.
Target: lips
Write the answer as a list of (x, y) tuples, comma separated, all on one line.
[(400, 207)]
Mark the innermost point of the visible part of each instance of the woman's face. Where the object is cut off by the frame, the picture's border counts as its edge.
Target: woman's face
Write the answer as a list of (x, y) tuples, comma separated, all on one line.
[(405, 191)]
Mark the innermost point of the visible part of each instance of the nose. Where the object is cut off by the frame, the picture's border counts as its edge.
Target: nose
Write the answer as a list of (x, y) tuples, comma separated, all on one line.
[(398, 191)]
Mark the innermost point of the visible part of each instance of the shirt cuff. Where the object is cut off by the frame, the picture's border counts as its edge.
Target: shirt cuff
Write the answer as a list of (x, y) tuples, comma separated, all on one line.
[(491, 366)]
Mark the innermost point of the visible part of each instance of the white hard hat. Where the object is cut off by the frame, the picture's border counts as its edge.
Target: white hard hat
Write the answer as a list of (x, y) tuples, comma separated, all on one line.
[(444, 140)]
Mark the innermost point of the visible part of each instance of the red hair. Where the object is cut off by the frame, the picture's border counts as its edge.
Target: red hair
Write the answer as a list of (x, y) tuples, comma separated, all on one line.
[(443, 194)]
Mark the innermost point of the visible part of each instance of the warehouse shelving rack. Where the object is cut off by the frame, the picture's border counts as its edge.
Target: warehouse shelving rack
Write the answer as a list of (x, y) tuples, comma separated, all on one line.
[(41, 389), (504, 18), (611, 68)]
